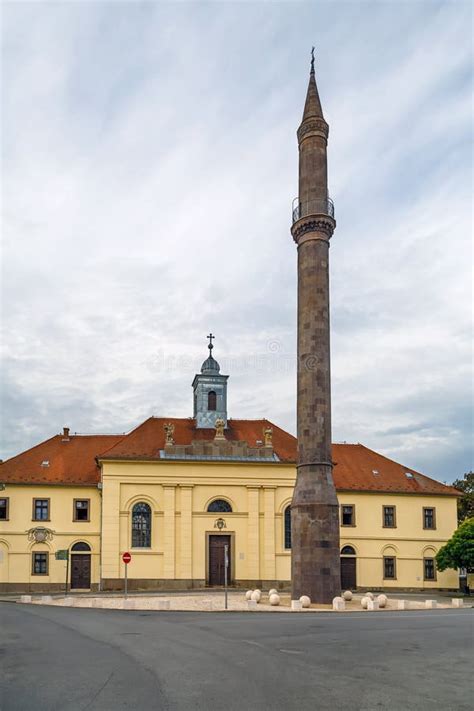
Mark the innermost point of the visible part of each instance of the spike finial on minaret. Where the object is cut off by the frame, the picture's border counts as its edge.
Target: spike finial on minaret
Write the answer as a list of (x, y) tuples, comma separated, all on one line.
[(312, 60)]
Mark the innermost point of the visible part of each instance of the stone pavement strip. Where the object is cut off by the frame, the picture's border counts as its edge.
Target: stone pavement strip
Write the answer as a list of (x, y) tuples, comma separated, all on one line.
[(202, 602)]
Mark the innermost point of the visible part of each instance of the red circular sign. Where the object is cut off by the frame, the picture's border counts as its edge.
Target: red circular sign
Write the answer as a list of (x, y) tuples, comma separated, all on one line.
[(126, 558)]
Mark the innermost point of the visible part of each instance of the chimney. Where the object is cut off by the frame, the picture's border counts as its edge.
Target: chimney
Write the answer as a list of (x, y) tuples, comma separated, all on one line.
[(65, 434)]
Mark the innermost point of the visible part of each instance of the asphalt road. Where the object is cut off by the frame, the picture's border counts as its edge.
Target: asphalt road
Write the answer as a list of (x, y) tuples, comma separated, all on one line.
[(56, 659)]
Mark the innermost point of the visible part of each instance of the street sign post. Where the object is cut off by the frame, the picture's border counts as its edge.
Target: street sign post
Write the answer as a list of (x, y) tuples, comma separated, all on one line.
[(63, 554), (226, 568), (126, 557)]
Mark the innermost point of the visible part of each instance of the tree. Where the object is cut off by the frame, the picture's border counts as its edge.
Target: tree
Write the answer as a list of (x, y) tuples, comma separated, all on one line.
[(459, 550), (466, 501)]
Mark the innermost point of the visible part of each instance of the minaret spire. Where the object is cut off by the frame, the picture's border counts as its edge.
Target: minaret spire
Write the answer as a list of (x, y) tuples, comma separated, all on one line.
[(315, 566), (312, 107)]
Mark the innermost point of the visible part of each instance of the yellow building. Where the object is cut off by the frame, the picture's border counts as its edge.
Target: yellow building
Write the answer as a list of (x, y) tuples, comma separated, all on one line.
[(174, 492)]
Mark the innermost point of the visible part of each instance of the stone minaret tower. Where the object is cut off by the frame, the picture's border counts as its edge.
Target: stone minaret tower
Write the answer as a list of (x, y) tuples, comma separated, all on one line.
[(315, 566)]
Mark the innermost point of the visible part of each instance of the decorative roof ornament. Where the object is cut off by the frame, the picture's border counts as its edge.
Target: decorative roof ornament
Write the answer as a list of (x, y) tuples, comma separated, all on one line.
[(268, 436), (169, 432), (312, 60), (219, 425)]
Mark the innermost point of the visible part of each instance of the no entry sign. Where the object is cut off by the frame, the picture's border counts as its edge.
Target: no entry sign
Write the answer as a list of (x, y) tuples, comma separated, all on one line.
[(126, 558)]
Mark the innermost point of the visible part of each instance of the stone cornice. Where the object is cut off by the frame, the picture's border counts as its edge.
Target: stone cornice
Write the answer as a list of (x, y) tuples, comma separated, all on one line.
[(313, 227), (313, 127)]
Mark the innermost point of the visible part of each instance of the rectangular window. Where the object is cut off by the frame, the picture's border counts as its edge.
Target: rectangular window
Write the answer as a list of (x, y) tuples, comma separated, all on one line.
[(389, 568), (40, 564), (347, 515), (429, 517), (81, 510), (3, 509), (40, 509), (389, 520), (429, 567)]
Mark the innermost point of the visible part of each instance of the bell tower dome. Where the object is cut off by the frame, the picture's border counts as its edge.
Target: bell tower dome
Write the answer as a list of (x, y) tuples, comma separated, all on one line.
[(210, 392)]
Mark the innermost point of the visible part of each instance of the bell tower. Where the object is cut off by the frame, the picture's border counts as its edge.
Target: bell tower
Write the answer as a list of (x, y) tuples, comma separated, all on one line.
[(210, 392), (315, 565)]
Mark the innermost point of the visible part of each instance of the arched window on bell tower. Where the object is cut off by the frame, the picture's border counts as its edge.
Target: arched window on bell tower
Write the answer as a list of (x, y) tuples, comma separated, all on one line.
[(211, 400)]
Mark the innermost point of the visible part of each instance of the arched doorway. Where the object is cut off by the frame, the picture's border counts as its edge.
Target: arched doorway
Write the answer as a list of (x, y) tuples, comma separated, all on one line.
[(348, 568), (80, 566)]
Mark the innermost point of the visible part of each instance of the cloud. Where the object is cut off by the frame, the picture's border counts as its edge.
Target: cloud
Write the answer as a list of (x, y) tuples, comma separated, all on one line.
[(150, 161)]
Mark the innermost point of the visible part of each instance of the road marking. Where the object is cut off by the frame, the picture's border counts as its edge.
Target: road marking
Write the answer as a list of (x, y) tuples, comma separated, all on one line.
[(291, 651)]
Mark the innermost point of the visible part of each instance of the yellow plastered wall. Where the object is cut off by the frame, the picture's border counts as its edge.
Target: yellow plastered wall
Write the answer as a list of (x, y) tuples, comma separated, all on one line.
[(179, 493), (15, 547), (408, 542)]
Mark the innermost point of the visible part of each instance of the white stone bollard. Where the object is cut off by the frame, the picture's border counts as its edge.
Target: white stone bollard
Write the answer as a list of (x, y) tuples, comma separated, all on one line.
[(369, 595), (296, 605), (338, 604), (251, 604), (382, 600), (25, 598), (305, 601), (274, 599), (272, 592), (457, 602), (372, 605), (163, 604), (364, 602), (347, 595), (256, 596), (248, 594), (402, 604), (430, 604), (46, 599)]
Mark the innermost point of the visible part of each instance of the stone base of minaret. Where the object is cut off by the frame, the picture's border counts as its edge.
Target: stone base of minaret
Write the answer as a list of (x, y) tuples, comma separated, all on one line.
[(315, 557)]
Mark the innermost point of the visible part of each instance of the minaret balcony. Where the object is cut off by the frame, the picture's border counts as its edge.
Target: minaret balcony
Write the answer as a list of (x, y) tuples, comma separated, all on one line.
[(321, 206)]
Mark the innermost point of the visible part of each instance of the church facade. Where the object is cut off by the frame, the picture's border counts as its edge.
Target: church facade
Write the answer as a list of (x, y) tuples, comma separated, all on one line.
[(175, 491)]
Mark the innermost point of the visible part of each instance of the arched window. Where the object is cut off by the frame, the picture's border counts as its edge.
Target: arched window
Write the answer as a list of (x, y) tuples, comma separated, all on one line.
[(211, 400), (141, 526), (81, 547), (288, 527), (348, 550), (219, 506)]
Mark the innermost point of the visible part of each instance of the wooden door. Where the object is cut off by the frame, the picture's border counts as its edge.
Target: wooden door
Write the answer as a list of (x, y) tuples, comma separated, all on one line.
[(217, 559), (348, 573), (80, 571)]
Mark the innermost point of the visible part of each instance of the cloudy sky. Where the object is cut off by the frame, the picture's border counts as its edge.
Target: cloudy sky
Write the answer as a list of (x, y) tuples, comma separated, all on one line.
[(149, 164)]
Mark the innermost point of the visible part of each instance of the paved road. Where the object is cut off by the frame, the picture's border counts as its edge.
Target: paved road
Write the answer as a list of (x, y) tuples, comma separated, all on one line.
[(58, 659)]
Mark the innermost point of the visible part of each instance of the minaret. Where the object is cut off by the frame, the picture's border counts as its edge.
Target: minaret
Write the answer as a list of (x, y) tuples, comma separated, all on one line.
[(315, 566)]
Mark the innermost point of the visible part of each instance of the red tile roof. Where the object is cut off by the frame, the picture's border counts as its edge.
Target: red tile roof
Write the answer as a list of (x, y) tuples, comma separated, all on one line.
[(70, 461), (73, 462), (148, 438)]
